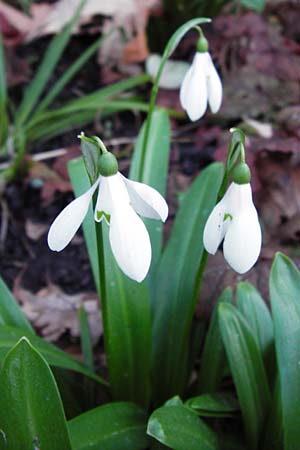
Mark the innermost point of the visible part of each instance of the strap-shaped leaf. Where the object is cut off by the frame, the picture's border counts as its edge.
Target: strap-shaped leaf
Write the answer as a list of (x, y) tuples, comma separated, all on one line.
[(155, 169), (247, 368), (10, 312), (285, 302), (31, 411), (181, 429), (113, 426), (211, 369), (126, 312), (54, 356), (213, 405), (174, 283)]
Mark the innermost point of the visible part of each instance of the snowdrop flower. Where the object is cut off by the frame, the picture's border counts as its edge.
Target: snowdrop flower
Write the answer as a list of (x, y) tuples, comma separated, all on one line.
[(201, 84), (235, 220), (120, 202)]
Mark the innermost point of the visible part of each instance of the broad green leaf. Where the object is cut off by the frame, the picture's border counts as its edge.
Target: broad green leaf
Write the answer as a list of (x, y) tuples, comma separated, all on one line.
[(211, 369), (46, 68), (174, 282), (54, 356), (256, 5), (255, 311), (155, 169), (213, 405), (10, 312), (285, 302), (113, 426), (273, 434), (247, 368), (126, 310), (181, 429), (31, 411)]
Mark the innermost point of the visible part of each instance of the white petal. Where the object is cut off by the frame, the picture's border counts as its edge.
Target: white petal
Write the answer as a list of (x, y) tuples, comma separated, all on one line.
[(194, 90), (215, 228), (238, 197), (130, 243), (242, 243), (112, 191), (146, 200), (214, 86), (69, 220)]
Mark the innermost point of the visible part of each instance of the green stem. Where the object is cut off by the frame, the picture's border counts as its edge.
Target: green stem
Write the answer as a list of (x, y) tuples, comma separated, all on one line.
[(200, 273), (101, 263)]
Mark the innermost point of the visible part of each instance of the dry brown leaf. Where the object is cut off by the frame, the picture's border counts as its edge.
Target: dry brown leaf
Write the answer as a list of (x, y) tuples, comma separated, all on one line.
[(54, 312), (35, 230)]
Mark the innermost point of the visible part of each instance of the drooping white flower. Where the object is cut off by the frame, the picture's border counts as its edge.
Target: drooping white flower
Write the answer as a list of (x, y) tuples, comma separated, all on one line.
[(119, 200), (235, 220), (201, 85)]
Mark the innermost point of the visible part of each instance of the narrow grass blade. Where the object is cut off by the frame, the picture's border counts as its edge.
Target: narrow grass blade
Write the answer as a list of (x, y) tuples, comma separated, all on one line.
[(46, 68)]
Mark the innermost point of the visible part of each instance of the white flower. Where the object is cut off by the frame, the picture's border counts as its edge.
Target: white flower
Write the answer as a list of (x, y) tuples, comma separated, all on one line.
[(235, 220), (201, 84), (119, 199)]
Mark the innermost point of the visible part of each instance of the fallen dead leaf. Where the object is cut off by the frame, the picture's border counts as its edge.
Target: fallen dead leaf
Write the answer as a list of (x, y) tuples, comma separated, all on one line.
[(35, 230), (54, 312)]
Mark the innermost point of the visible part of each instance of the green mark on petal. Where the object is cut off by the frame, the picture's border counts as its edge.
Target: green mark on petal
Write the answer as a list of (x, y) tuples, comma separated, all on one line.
[(101, 215), (227, 216)]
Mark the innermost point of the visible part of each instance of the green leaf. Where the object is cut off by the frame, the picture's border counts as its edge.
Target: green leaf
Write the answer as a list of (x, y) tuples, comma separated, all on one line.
[(256, 5), (54, 356), (155, 169), (211, 369), (247, 368), (213, 405), (284, 293), (31, 411), (256, 313), (91, 156), (81, 183), (273, 435), (70, 73), (113, 426), (46, 68), (174, 283), (181, 429), (126, 313), (86, 339), (10, 312)]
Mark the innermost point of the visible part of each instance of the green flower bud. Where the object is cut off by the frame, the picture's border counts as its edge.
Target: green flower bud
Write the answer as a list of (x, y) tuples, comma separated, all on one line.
[(241, 174), (202, 44), (108, 164)]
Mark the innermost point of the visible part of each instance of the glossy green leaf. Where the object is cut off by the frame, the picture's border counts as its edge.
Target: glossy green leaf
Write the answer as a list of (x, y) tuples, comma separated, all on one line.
[(54, 356), (247, 368), (181, 429), (155, 169), (46, 68), (285, 295), (113, 426), (255, 311), (31, 411), (213, 405), (211, 369), (3, 87), (126, 312), (10, 312), (273, 433), (175, 280)]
